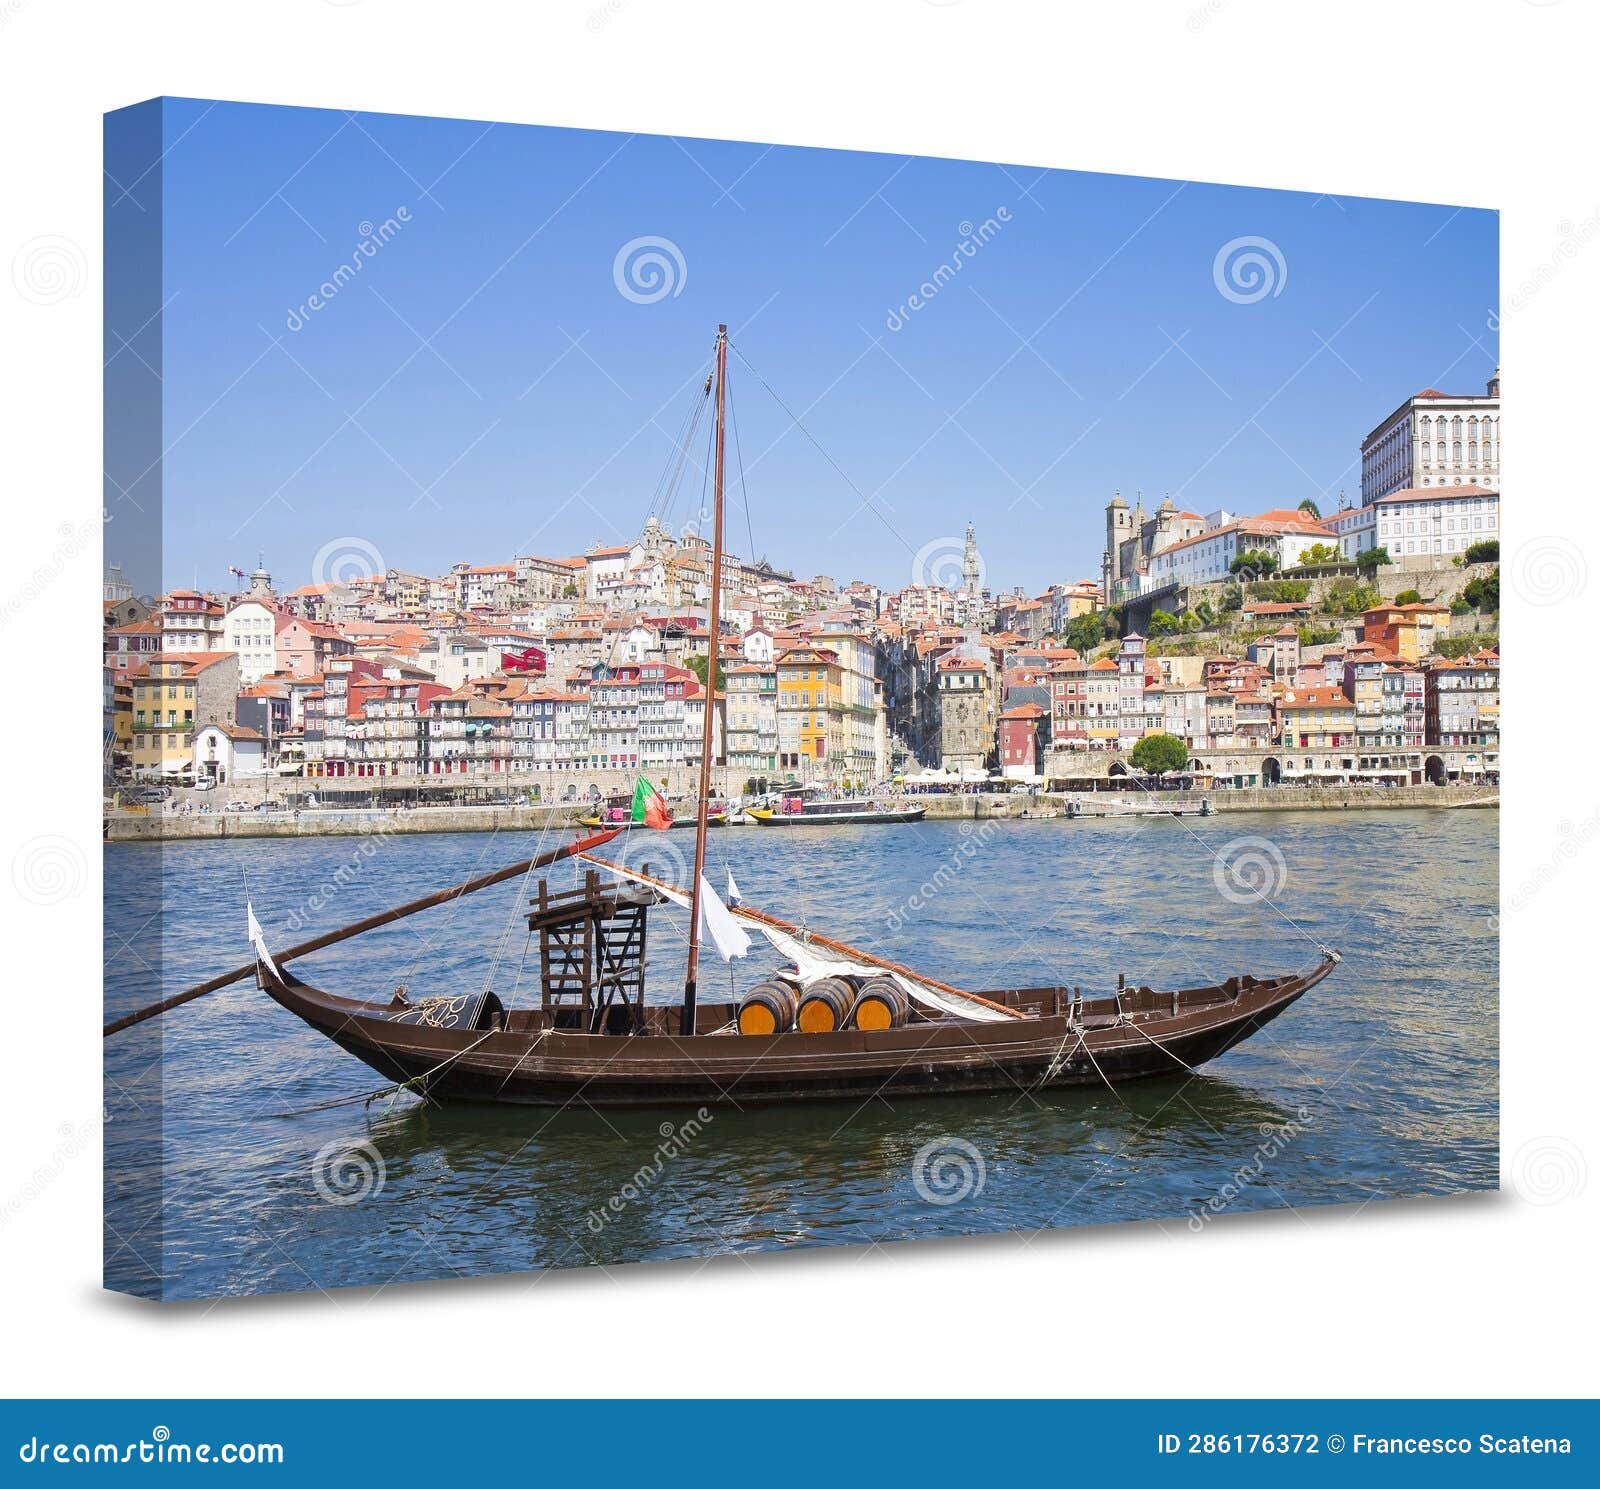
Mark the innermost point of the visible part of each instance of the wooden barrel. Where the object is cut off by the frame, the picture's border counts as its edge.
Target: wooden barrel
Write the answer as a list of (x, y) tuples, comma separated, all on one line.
[(768, 1008), (825, 1005), (881, 1004)]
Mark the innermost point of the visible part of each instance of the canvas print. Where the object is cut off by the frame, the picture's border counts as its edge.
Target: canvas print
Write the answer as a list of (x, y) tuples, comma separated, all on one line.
[(678, 698)]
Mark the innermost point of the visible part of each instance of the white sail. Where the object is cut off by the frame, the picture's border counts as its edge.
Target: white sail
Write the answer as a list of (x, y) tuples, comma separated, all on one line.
[(718, 925), (258, 941), (811, 962)]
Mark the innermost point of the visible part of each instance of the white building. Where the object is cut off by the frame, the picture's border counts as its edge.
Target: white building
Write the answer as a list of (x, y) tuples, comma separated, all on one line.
[(228, 752), (1421, 529), (1434, 439), (251, 629), (1208, 557)]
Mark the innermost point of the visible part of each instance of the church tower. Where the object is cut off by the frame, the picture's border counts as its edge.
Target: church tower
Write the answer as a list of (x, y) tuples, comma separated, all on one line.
[(1117, 532)]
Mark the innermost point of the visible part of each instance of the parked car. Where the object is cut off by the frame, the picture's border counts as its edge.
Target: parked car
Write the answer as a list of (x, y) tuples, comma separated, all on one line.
[(205, 783), (238, 804)]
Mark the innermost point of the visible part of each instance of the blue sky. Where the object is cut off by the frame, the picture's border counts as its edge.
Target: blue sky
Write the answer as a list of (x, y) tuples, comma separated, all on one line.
[(1085, 348)]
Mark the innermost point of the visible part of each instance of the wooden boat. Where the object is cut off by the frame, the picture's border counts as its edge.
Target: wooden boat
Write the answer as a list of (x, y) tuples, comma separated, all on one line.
[(638, 1056), (607, 818), (836, 1021)]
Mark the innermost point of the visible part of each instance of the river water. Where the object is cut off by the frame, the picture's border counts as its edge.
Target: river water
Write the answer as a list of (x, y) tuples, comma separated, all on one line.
[(228, 1171)]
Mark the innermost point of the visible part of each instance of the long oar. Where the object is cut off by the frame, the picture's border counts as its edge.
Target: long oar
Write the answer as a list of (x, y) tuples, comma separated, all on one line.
[(372, 922)]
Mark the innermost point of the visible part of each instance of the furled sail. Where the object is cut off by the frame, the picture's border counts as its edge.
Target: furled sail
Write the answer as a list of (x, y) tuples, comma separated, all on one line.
[(813, 962), (258, 941)]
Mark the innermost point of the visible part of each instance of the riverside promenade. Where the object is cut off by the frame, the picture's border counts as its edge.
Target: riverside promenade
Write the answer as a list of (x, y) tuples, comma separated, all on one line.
[(136, 825)]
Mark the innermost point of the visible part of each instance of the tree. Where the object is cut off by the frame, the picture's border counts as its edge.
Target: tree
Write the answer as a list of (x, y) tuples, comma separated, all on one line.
[(1161, 623), (1256, 560), (1232, 598), (697, 665), (1409, 597), (1085, 632), (1371, 558), (1486, 551), (1484, 591), (1320, 555), (1310, 507), (570, 592), (1159, 754)]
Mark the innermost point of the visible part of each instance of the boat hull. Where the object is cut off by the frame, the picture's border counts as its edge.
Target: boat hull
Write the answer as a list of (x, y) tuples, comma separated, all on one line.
[(716, 819), (888, 816), (1158, 1033)]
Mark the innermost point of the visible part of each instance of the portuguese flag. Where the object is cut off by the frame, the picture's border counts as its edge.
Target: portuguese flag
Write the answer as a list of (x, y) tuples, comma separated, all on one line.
[(649, 806)]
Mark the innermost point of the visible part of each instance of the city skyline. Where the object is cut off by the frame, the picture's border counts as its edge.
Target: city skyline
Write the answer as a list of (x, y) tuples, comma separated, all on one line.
[(499, 377)]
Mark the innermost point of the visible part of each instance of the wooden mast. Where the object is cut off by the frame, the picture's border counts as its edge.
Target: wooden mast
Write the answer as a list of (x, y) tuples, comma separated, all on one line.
[(708, 725)]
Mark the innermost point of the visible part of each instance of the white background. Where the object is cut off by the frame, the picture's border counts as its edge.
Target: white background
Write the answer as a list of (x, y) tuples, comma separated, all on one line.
[(1486, 104)]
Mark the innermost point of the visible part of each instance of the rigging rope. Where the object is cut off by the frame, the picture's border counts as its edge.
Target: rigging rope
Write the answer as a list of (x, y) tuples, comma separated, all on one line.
[(1157, 1043), (672, 473), (866, 500)]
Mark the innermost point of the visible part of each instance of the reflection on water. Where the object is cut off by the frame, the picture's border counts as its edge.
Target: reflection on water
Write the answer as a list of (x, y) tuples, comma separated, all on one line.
[(1381, 1082)]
